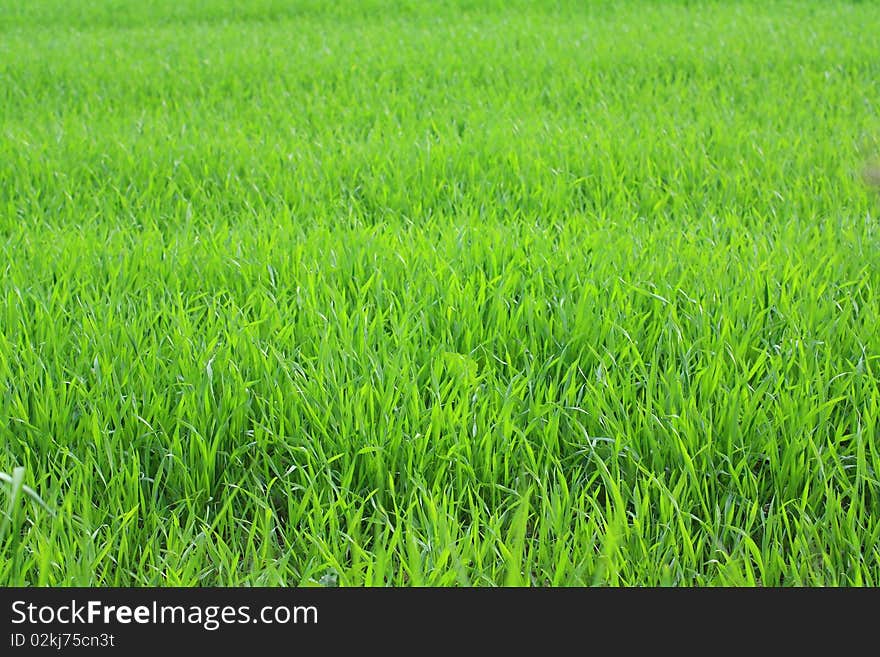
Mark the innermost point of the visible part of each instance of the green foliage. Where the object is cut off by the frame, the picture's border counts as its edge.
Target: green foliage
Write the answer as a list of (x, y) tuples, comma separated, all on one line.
[(462, 293)]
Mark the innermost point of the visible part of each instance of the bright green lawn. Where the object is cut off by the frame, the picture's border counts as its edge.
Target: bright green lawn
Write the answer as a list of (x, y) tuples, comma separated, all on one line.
[(439, 293)]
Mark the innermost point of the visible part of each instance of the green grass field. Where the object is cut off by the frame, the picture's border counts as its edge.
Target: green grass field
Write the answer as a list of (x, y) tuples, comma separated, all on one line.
[(453, 293)]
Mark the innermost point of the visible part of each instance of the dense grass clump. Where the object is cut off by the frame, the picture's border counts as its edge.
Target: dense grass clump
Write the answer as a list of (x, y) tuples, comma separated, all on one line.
[(464, 292)]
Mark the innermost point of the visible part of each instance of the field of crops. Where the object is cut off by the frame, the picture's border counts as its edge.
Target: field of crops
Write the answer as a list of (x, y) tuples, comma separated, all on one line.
[(469, 293)]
